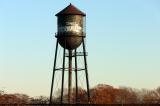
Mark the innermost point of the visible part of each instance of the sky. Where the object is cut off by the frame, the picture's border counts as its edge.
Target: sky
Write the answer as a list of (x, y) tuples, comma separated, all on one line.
[(122, 41)]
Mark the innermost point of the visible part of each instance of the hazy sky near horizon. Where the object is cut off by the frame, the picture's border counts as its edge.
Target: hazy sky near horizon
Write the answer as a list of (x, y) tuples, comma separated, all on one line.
[(123, 43)]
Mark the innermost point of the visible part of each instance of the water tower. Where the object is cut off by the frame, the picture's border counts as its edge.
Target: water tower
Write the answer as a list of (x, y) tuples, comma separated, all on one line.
[(70, 35)]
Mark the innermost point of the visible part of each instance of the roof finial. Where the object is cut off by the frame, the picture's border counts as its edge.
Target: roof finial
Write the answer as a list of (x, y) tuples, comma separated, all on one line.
[(70, 4)]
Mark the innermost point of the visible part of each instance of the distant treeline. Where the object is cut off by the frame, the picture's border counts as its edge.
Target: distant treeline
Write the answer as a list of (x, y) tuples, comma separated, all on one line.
[(100, 94)]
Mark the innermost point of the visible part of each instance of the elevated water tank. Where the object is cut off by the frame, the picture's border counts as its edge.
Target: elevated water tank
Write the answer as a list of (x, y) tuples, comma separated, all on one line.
[(71, 27)]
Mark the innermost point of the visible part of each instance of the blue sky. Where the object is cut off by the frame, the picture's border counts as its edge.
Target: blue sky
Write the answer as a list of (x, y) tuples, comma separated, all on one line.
[(123, 43)]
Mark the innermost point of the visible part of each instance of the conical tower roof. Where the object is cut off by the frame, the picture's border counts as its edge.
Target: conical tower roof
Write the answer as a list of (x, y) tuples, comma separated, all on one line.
[(70, 10)]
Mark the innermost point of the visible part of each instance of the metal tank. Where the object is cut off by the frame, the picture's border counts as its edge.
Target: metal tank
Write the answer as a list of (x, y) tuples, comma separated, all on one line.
[(71, 27)]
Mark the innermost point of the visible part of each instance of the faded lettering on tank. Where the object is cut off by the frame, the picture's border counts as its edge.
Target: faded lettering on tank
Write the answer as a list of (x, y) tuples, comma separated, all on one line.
[(70, 27)]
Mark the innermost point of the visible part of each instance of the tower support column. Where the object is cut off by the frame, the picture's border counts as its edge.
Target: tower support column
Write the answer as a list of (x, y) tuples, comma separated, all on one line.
[(70, 76), (76, 75), (86, 69), (63, 69), (54, 69)]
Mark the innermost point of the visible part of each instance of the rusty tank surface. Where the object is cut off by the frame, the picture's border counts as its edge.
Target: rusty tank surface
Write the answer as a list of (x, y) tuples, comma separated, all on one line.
[(71, 27)]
